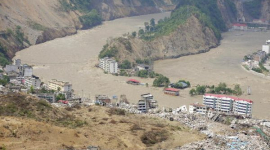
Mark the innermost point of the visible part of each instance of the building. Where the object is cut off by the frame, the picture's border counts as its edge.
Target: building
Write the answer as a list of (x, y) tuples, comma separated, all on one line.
[(109, 65), (147, 102), (260, 21), (239, 26), (11, 68), (259, 56), (104, 99), (17, 62), (198, 108), (266, 48), (228, 104), (60, 85), (26, 71), (133, 81), (12, 75), (171, 91), (140, 67), (32, 81), (50, 97)]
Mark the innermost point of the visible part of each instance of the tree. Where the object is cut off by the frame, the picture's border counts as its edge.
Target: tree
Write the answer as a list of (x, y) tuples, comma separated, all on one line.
[(147, 27), (125, 65), (32, 89), (161, 81), (152, 22), (200, 90), (134, 34), (237, 90), (60, 96), (58, 89), (141, 32), (192, 92), (178, 85)]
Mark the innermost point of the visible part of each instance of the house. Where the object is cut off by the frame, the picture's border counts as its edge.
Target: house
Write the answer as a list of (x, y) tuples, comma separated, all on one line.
[(266, 47), (109, 65), (50, 97), (11, 68), (133, 81), (198, 108), (239, 26), (140, 67), (63, 86), (12, 74), (103, 99), (32, 81), (171, 91)]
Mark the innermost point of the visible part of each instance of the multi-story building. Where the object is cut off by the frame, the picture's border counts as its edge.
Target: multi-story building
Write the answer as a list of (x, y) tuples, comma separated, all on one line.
[(60, 85), (197, 108), (50, 97), (147, 102), (109, 65), (32, 81), (26, 71), (228, 104)]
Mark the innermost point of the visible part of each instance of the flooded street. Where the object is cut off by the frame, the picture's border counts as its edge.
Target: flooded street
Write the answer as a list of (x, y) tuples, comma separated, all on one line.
[(73, 59)]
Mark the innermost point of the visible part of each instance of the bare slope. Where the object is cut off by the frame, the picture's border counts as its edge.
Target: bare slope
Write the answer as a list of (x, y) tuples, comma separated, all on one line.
[(107, 128)]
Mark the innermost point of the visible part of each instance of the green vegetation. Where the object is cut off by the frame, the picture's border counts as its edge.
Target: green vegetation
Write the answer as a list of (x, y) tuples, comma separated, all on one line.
[(253, 8), (179, 84), (108, 52), (91, 16), (4, 81), (144, 61), (206, 11), (259, 70), (19, 35), (116, 111), (155, 136), (125, 65), (36, 26), (126, 43), (262, 67), (91, 19), (161, 81), (60, 96), (220, 89)]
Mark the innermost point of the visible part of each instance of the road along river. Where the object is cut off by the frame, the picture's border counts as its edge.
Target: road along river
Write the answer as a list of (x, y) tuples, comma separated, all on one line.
[(73, 59)]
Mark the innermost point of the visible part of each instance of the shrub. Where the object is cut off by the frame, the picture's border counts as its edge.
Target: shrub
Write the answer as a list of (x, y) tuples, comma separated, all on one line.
[(152, 137), (116, 111)]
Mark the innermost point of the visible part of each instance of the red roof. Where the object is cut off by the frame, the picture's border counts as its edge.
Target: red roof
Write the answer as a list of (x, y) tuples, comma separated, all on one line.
[(231, 97), (172, 89), (240, 25), (133, 80)]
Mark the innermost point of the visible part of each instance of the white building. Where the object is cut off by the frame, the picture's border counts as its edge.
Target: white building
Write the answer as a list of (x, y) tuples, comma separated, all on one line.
[(266, 49), (197, 108), (17, 62), (32, 81), (64, 86), (26, 71), (228, 104), (109, 65), (11, 68)]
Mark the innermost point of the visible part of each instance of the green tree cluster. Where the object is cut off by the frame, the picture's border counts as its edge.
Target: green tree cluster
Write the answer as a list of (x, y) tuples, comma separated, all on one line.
[(125, 65), (60, 96), (161, 81), (4, 81), (91, 19), (220, 89), (108, 52)]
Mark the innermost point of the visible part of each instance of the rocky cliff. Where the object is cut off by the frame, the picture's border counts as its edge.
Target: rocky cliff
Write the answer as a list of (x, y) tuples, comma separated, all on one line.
[(41, 21)]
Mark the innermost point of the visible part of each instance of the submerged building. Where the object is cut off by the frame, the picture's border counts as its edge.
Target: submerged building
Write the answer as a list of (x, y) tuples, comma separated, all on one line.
[(228, 104), (109, 65)]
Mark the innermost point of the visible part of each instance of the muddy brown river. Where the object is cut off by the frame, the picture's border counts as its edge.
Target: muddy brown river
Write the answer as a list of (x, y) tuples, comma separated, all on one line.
[(73, 59)]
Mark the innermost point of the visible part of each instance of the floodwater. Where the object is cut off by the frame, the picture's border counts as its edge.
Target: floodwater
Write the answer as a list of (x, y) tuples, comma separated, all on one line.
[(73, 59)]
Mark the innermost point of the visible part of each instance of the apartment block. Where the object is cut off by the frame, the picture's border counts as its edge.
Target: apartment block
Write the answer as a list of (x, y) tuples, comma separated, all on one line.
[(228, 104), (109, 65)]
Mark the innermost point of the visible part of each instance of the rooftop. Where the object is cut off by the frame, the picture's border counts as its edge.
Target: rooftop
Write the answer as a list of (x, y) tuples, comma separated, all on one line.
[(227, 96), (172, 89), (133, 80), (240, 25)]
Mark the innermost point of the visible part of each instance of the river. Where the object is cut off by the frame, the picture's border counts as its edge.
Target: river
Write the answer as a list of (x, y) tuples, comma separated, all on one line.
[(73, 59)]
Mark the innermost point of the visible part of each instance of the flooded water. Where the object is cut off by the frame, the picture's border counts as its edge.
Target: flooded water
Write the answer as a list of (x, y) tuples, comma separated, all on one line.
[(73, 59)]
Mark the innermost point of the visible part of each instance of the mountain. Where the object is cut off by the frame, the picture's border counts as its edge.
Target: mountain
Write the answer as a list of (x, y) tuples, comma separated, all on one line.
[(194, 27), (27, 22)]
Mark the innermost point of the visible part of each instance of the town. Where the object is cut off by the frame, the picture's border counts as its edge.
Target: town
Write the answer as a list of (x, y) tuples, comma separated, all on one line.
[(215, 110)]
